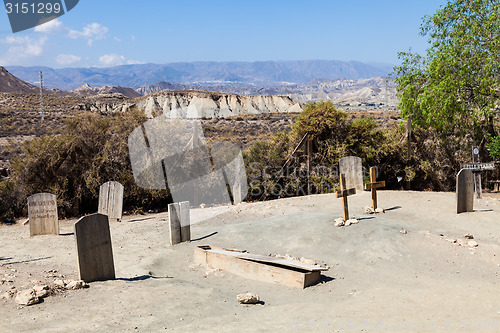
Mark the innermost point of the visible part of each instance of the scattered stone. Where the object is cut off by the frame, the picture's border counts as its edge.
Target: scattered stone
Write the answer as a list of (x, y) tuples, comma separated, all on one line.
[(10, 293), (307, 261), (73, 285), (369, 210), (352, 221), (59, 283), (347, 223), (339, 222), (27, 297), (451, 240), (379, 210), (472, 243), (403, 231), (469, 236), (41, 291), (248, 298)]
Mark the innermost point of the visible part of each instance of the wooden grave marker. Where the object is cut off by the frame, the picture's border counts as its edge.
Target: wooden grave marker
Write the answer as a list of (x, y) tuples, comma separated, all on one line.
[(179, 222), (373, 185), (344, 193), (465, 191), (352, 168), (111, 200), (95, 251), (42, 214), (258, 267)]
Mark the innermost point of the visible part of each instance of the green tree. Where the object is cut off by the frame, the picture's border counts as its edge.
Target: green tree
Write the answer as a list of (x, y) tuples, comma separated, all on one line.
[(455, 87)]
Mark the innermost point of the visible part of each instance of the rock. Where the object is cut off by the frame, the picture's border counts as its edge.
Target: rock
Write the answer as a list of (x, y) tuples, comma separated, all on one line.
[(27, 297), (403, 231), (472, 243), (59, 283), (469, 236), (379, 210), (339, 222), (307, 261), (451, 240), (369, 210), (347, 223), (73, 285), (248, 298), (353, 221), (41, 291)]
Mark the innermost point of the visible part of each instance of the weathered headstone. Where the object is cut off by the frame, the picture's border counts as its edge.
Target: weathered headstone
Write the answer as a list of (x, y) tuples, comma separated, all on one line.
[(42, 214), (344, 193), (95, 251), (373, 185), (465, 191), (352, 168), (111, 200), (179, 222)]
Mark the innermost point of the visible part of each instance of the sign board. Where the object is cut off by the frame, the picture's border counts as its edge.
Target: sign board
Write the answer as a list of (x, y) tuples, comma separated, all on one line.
[(479, 166)]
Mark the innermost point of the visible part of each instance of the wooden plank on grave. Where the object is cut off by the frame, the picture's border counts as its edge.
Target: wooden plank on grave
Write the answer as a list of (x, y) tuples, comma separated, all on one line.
[(352, 168), (94, 248), (42, 214), (266, 259), (267, 272)]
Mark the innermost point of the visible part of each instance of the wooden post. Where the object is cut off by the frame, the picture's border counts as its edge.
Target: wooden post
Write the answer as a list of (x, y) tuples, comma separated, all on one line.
[(477, 174), (185, 221), (344, 193), (174, 223), (373, 185), (309, 164), (409, 134)]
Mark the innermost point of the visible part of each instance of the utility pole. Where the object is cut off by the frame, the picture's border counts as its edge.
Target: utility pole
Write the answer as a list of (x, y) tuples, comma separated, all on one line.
[(41, 95)]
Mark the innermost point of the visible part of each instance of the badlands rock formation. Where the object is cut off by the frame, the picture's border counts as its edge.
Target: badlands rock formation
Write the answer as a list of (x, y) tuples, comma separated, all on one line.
[(203, 104)]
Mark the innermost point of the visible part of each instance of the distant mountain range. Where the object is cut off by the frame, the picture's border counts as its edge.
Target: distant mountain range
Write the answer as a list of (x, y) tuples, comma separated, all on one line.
[(262, 73)]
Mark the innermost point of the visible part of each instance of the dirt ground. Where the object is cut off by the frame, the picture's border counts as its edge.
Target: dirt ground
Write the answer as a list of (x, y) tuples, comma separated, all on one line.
[(381, 279)]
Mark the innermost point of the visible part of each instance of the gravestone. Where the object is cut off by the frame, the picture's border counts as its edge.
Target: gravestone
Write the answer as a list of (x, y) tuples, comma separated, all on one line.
[(111, 200), (465, 191), (179, 222), (352, 168), (95, 252), (373, 185), (42, 214), (344, 193)]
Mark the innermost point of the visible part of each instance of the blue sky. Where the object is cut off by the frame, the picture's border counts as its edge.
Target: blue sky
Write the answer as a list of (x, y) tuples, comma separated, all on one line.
[(107, 33)]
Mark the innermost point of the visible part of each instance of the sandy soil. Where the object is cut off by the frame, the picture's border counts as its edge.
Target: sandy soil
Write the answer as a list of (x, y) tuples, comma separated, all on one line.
[(380, 279)]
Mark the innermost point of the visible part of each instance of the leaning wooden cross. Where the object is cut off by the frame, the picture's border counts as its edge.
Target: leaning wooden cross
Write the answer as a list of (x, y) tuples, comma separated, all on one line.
[(344, 193), (373, 185)]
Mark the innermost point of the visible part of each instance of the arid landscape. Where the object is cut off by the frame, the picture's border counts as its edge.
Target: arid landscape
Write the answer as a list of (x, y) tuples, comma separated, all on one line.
[(410, 269)]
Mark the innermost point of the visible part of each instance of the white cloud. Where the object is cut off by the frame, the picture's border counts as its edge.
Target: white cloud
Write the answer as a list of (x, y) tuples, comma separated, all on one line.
[(50, 27), (21, 48), (67, 59), (91, 32), (109, 60)]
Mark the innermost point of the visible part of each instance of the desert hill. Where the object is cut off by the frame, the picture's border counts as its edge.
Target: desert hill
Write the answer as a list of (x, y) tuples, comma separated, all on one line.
[(10, 83)]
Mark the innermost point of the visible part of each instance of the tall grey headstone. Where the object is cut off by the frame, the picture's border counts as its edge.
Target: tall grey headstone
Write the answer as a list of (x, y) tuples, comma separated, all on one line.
[(111, 200), (465, 191), (352, 168), (179, 222), (95, 251), (42, 214)]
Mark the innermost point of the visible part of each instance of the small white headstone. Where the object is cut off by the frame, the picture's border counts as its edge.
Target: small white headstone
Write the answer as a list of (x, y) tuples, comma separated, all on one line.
[(42, 214), (111, 200)]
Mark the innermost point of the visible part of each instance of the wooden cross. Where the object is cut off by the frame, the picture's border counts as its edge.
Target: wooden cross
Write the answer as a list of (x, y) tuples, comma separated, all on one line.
[(373, 185), (344, 193)]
